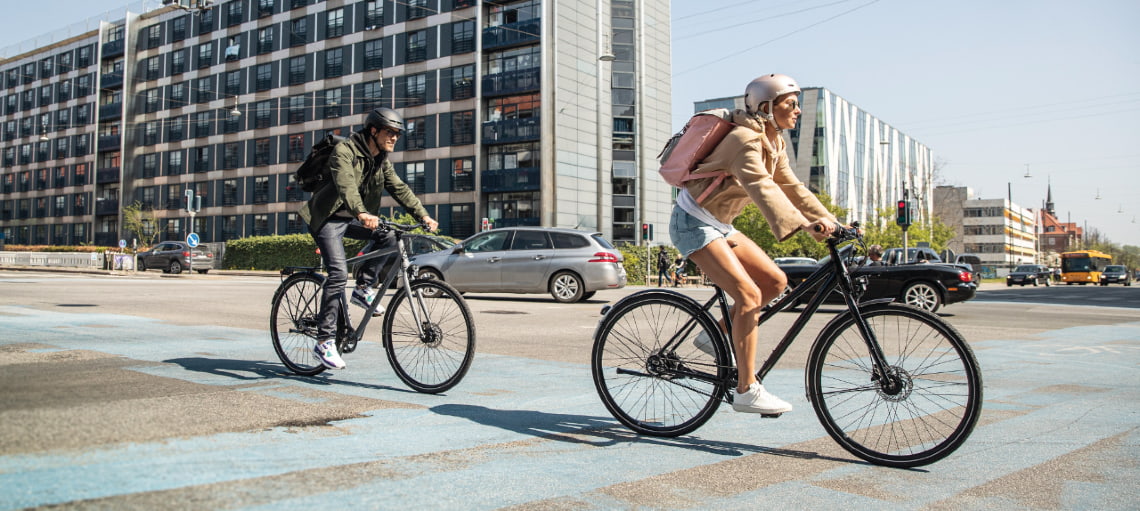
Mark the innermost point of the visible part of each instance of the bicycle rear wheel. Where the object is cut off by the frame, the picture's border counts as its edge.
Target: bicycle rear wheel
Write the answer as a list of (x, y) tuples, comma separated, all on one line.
[(647, 370), (293, 322), (436, 359), (921, 412)]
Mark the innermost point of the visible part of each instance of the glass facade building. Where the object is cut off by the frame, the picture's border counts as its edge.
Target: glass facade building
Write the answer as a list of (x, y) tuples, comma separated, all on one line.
[(515, 112)]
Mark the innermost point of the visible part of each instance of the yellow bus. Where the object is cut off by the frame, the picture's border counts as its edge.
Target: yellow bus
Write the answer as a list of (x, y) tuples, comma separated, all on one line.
[(1083, 266)]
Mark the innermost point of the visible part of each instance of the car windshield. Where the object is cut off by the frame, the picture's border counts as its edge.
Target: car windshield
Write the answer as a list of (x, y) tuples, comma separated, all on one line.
[(1026, 269), (1114, 268)]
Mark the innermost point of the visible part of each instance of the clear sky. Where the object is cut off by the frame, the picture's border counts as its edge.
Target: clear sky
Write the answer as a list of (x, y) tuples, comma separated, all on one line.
[(989, 85)]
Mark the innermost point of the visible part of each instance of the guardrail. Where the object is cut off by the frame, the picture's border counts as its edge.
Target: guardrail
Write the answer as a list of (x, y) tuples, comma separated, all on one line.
[(56, 259)]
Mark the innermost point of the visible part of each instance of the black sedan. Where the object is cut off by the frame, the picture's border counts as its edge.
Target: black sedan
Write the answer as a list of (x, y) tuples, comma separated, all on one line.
[(1115, 274), (1029, 274), (927, 286)]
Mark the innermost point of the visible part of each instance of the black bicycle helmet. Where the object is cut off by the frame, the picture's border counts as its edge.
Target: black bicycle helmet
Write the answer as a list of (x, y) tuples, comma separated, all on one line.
[(381, 118)]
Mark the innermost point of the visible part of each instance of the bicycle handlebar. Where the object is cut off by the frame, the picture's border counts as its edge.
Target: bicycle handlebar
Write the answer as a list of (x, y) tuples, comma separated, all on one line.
[(843, 233)]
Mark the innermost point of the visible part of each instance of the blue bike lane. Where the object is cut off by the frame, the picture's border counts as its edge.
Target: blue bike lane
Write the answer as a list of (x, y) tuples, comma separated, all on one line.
[(524, 432)]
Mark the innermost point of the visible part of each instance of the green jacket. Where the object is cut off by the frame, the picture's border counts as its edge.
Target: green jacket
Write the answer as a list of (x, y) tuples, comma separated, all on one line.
[(349, 163)]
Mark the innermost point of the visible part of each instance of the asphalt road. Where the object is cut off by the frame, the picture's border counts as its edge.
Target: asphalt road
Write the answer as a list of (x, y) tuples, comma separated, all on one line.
[(164, 392)]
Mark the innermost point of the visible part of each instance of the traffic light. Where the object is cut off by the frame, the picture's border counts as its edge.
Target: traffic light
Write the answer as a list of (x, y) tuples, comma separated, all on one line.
[(645, 232), (904, 218)]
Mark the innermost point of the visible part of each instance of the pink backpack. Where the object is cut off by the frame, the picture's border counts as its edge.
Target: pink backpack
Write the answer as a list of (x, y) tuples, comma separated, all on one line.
[(694, 143)]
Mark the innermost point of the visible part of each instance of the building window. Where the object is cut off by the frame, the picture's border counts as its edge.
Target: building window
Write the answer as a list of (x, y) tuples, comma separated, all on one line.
[(296, 70), (205, 55), (299, 33), (332, 103), (176, 130), (373, 14), (177, 95), (261, 151), (417, 46), (418, 9), (463, 128), (296, 148), (414, 176), (150, 133), (415, 137), (201, 159), (415, 90), (149, 165), (264, 77), (233, 83), (334, 63), (264, 7), (371, 96), (178, 28), (230, 195), (260, 224), (262, 115), (463, 82), (174, 165), (231, 156), (150, 100), (463, 175), (463, 37), (234, 12), (153, 69), (173, 197), (233, 49), (373, 54), (334, 25), (265, 40), (296, 109), (261, 189), (202, 124), (204, 90), (177, 62)]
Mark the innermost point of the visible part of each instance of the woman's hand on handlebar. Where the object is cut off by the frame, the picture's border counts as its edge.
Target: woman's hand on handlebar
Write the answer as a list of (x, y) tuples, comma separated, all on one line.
[(821, 229)]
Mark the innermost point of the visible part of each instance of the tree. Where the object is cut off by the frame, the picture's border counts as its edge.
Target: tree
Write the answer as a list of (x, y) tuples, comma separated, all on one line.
[(752, 224), (140, 221), (886, 232)]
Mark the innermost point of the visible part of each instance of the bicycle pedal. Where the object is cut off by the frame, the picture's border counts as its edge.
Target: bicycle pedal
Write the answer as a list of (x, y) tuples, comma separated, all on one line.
[(770, 415)]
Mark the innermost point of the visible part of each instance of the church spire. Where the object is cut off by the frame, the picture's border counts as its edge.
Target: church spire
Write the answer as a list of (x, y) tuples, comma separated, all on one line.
[(1049, 200)]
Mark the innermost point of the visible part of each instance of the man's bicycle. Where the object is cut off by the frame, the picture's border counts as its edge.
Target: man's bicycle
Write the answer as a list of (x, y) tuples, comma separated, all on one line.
[(892, 384), (428, 332)]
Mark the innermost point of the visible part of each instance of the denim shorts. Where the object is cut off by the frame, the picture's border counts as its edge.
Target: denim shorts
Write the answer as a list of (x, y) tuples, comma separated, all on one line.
[(690, 234)]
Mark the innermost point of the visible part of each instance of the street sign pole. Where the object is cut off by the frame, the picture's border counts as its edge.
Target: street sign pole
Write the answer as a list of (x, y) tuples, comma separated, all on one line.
[(193, 206)]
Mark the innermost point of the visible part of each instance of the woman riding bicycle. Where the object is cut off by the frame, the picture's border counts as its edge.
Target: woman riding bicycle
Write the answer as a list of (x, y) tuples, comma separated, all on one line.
[(754, 156), (361, 172)]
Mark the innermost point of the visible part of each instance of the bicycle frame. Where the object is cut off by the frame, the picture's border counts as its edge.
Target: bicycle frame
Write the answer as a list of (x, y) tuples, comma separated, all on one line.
[(824, 280)]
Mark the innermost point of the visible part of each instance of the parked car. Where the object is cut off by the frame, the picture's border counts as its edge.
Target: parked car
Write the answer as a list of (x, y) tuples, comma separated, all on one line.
[(1115, 274), (928, 286), (971, 261), (414, 244), (1029, 274), (174, 256), (569, 264), (796, 260)]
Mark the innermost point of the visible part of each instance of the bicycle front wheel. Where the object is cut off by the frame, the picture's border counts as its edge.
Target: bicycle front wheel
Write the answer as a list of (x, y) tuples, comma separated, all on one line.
[(918, 413), (649, 372), (429, 336), (293, 322)]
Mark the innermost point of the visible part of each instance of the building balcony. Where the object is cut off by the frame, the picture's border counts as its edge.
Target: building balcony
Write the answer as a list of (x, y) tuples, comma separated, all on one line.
[(107, 175), (110, 111), (111, 80), (104, 207), (113, 49), (512, 82), (109, 142), (521, 179), (512, 130), (512, 34)]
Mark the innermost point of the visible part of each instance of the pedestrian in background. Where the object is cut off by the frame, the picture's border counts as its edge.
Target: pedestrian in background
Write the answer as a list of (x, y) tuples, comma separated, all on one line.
[(662, 266), (875, 255)]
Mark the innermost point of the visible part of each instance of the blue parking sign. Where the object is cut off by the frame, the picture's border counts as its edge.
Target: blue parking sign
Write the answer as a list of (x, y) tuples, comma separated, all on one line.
[(192, 239)]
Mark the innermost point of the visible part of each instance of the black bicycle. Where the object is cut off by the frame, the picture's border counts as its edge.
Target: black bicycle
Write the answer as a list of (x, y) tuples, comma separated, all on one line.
[(428, 332), (892, 384)]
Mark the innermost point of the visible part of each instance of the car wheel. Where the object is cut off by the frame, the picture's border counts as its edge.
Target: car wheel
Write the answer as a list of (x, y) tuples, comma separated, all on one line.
[(142, 265), (1047, 283), (203, 272), (566, 287), (1034, 282), (428, 273), (922, 295), (589, 295), (1007, 284), (175, 267)]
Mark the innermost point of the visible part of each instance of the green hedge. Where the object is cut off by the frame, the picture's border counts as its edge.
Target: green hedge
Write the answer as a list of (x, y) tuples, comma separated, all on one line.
[(276, 252)]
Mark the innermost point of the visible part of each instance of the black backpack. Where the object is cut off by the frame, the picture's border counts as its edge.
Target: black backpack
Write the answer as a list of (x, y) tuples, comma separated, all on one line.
[(314, 172)]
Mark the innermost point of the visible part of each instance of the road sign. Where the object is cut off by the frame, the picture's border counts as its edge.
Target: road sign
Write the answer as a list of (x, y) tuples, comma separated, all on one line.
[(192, 239), (122, 243)]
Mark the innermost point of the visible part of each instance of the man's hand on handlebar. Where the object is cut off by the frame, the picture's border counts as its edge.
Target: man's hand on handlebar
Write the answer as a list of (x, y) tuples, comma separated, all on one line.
[(430, 222), (368, 220)]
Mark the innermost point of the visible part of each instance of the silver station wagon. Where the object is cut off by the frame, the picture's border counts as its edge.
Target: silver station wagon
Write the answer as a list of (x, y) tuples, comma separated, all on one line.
[(569, 264)]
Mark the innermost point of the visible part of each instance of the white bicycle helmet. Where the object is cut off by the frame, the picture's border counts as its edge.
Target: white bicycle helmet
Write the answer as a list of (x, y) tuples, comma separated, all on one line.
[(765, 90)]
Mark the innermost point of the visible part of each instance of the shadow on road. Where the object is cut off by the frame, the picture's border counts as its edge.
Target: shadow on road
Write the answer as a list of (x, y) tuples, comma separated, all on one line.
[(251, 370), (603, 432)]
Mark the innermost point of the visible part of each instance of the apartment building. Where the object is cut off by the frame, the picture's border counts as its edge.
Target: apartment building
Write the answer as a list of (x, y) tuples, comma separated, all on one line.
[(1000, 232), (518, 112)]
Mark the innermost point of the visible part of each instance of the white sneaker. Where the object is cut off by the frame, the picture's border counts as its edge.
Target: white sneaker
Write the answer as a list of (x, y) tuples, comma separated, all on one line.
[(362, 297), (758, 400), (329, 357)]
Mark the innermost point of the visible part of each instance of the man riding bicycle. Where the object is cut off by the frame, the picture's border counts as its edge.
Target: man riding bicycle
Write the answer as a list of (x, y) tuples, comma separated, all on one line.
[(360, 172)]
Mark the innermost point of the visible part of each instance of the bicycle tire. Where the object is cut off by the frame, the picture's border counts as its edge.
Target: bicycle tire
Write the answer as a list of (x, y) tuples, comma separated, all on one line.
[(438, 361), (926, 418), (652, 391), (293, 322)]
